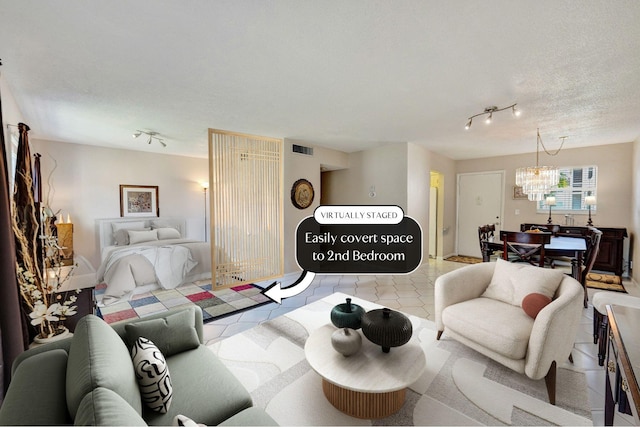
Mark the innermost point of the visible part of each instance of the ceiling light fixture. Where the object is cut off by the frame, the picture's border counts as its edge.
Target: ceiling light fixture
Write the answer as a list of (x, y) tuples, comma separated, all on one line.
[(489, 112), (152, 135), (536, 182)]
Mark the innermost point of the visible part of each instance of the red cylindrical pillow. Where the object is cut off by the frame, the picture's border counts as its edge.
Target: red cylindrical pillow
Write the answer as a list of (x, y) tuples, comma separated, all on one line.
[(533, 303)]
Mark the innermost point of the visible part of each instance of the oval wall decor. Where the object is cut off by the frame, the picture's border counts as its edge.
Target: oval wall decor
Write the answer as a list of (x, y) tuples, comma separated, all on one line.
[(302, 194)]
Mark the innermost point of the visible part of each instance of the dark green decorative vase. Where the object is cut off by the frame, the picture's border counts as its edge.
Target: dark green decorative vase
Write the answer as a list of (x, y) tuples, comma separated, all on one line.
[(347, 315)]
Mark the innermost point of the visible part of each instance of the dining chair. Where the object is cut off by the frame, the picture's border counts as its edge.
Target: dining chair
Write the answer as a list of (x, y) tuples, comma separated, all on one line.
[(524, 246), (486, 233), (593, 236)]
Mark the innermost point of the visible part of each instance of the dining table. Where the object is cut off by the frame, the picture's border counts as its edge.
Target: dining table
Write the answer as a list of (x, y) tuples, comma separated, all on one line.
[(559, 246)]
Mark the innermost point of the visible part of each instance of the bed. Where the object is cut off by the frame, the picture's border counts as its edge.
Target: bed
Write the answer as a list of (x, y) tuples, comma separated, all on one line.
[(143, 254)]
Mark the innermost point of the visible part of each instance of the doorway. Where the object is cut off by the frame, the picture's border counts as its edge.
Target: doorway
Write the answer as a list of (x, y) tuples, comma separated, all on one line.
[(480, 201), (436, 214)]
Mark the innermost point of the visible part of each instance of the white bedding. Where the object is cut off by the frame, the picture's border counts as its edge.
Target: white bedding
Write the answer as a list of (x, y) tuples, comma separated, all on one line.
[(165, 263)]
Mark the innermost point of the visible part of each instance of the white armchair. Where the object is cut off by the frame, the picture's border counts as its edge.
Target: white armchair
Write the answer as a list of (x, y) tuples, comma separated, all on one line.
[(492, 321)]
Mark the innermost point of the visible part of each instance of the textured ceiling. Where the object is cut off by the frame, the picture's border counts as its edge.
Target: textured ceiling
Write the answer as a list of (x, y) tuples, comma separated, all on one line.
[(348, 75)]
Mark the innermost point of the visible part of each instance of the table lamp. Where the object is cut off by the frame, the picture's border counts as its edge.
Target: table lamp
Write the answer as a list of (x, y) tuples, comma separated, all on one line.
[(590, 201), (550, 201)]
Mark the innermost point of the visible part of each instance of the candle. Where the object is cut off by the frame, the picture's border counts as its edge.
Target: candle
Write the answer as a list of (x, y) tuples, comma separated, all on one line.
[(68, 218)]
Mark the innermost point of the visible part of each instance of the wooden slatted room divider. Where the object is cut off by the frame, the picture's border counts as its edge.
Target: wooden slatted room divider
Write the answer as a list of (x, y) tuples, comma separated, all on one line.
[(246, 205)]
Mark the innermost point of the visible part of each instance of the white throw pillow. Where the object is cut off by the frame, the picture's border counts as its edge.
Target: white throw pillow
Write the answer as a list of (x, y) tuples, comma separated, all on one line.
[(511, 282), (168, 233), (142, 236), (152, 374), (120, 235)]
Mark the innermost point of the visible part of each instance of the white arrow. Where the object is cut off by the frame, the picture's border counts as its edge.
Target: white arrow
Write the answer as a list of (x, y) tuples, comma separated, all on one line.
[(276, 293)]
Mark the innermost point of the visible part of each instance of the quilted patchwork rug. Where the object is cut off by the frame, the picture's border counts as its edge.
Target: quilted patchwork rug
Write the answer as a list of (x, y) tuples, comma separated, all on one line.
[(458, 387), (215, 304)]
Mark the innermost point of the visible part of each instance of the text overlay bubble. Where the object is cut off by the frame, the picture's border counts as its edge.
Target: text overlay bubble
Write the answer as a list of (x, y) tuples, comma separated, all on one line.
[(359, 248)]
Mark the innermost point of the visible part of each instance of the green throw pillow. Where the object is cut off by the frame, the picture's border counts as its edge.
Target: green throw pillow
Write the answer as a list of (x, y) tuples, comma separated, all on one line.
[(172, 334)]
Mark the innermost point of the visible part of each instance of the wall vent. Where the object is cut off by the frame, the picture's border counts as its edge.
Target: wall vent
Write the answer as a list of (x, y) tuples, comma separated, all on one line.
[(303, 150)]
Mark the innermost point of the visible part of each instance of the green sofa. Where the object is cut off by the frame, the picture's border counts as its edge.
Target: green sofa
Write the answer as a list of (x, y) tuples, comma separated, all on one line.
[(89, 379)]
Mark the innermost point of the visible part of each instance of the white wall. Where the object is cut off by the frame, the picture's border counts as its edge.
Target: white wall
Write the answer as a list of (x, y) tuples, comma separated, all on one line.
[(401, 176), (418, 187), (297, 166), (11, 114), (86, 184), (384, 168), (614, 164)]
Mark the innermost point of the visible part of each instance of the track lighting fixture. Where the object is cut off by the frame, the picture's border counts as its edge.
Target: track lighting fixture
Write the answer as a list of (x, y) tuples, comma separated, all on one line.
[(489, 113), (151, 134), (468, 125)]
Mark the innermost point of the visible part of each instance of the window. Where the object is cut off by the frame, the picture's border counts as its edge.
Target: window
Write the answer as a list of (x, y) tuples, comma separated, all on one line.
[(575, 184)]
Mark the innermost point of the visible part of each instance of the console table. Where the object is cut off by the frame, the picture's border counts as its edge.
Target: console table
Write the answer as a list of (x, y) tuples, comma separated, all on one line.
[(623, 363), (611, 254)]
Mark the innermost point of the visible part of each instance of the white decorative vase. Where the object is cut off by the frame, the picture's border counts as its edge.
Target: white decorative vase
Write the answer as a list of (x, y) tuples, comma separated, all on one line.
[(346, 341), (62, 335)]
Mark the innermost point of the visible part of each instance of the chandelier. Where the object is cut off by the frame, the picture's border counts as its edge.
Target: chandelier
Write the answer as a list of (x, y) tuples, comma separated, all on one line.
[(537, 181)]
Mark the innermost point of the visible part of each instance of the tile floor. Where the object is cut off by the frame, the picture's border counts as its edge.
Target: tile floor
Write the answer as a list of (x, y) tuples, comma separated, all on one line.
[(413, 293)]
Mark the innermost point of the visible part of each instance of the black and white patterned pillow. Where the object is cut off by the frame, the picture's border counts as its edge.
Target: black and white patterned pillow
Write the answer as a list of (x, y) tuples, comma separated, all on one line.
[(152, 374)]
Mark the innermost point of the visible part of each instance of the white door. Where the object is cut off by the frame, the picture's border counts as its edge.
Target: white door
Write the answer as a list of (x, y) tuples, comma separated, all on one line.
[(479, 202)]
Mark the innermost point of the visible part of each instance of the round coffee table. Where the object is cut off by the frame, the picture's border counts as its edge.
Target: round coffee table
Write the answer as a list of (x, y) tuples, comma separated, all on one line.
[(370, 384)]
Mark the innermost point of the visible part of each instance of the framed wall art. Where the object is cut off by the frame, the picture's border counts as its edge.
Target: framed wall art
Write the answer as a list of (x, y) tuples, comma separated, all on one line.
[(139, 200), (518, 194), (302, 194)]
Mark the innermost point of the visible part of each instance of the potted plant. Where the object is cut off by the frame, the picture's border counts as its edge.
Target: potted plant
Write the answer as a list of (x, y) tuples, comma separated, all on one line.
[(39, 286)]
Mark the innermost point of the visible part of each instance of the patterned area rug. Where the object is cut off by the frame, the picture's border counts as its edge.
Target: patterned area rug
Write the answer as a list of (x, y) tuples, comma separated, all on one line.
[(214, 304), (464, 259), (458, 387), (608, 282)]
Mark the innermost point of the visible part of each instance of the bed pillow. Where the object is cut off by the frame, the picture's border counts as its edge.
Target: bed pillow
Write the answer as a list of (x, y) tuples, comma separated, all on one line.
[(120, 235), (152, 373), (142, 236), (163, 223), (168, 233), (511, 282)]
